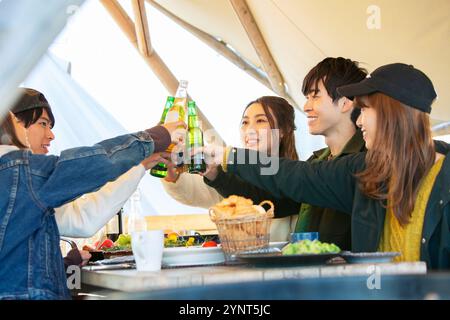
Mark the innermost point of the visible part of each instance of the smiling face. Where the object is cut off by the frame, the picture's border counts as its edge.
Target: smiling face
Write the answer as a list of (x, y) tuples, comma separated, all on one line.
[(323, 115), (40, 134), (367, 121), (256, 133)]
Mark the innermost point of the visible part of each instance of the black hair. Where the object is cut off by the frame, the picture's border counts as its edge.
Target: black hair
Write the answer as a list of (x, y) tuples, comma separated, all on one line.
[(334, 72), (284, 114), (29, 117), (8, 135)]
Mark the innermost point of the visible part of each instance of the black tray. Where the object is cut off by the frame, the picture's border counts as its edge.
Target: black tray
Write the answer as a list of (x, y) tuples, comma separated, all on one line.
[(270, 259)]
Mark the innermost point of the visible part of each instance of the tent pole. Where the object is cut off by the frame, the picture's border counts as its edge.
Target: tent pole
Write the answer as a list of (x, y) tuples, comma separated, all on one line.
[(219, 46), (141, 24), (441, 129), (223, 49), (155, 62), (251, 27)]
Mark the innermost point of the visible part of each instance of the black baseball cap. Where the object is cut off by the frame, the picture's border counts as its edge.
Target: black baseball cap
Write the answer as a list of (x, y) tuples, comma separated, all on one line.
[(399, 81), (30, 99)]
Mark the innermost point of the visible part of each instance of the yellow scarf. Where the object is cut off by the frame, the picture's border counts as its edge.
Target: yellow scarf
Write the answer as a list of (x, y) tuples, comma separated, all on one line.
[(406, 239)]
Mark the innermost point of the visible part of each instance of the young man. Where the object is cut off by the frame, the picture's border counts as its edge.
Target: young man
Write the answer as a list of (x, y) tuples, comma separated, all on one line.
[(331, 115)]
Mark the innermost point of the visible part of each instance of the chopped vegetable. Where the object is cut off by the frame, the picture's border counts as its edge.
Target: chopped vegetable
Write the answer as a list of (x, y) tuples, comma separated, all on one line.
[(310, 247), (106, 244), (123, 240), (209, 244)]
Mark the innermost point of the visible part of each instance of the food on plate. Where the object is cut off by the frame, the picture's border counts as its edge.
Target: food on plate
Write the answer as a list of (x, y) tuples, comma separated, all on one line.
[(123, 243), (123, 240), (310, 247), (174, 240), (209, 244)]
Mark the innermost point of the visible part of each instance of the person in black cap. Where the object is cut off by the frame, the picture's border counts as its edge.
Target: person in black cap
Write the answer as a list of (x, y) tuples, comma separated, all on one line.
[(34, 111), (84, 216), (398, 192), (32, 186)]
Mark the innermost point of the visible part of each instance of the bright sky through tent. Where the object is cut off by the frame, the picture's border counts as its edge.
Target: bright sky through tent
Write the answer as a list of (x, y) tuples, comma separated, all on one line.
[(108, 67)]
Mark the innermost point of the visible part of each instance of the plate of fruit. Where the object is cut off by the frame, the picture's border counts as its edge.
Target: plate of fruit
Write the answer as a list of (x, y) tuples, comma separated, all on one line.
[(109, 249), (191, 250)]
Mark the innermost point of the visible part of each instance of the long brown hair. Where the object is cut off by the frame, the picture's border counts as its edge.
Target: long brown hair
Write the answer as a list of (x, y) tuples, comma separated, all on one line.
[(285, 118), (8, 134), (403, 154)]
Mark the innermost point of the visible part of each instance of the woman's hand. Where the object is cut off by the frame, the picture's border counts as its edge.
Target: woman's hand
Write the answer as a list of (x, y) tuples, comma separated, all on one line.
[(213, 158), (156, 158), (172, 173), (85, 256), (177, 131)]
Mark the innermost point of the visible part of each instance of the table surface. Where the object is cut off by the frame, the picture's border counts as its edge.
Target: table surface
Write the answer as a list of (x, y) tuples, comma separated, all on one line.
[(130, 280)]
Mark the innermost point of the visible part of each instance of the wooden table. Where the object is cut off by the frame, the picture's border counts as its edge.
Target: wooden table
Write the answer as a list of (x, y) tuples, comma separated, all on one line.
[(133, 281)]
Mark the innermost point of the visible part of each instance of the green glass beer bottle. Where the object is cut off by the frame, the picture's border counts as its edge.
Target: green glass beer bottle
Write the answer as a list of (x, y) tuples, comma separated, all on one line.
[(195, 140), (160, 170)]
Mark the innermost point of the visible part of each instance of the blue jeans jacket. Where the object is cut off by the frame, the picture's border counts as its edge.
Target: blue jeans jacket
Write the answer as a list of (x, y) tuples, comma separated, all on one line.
[(31, 264)]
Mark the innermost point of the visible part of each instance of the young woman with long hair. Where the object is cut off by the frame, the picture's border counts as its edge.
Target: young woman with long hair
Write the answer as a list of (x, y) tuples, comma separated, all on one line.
[(267, 125)]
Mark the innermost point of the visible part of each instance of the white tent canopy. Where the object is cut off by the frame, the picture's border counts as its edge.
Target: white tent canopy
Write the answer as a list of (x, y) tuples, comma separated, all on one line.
[(300, 33), (81, 121)]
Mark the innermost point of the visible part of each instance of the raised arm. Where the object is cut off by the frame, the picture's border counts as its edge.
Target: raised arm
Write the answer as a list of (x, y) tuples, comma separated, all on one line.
[(228, 184), (82, 170), (84, 216), (328, 184), (190, 190)]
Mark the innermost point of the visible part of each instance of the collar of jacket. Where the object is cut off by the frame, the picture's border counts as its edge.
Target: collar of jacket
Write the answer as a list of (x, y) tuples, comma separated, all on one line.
[(4, 149), (444, 176), (440, 195), (354, 145)]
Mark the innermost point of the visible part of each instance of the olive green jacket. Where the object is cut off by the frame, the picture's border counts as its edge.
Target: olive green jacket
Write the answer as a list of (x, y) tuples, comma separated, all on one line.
[(333, 226), (332, 184)]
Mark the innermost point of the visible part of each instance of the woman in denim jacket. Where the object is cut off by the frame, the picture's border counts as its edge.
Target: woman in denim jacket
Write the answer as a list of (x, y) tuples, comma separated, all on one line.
[(31, 186), (84, 216)]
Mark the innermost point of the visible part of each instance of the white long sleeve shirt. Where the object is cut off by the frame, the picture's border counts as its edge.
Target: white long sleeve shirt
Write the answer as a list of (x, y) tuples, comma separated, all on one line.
[(83, 217), (190, 190)]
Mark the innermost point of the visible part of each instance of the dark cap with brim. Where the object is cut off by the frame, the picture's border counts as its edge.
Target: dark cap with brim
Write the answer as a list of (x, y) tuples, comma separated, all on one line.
[(30, 99), (399, 81)]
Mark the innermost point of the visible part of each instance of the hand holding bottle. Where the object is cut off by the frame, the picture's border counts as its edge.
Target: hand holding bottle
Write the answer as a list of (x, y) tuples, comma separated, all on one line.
[(213, 158), (177, 131), (155, 158)]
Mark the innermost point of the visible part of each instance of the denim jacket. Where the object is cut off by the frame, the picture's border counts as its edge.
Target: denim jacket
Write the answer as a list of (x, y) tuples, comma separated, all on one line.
[(31, 264)]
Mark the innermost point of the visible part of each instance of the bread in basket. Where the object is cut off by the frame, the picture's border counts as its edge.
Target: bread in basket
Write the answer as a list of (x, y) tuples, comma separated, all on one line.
[(242, 226)]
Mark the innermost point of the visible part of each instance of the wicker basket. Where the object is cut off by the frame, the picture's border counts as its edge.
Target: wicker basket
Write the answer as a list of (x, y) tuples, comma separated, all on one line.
[(246, 232)]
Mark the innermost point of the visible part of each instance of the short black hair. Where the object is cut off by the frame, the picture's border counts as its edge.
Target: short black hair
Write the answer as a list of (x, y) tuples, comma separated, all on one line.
[(8, 134), (334, 72), (29, 117)]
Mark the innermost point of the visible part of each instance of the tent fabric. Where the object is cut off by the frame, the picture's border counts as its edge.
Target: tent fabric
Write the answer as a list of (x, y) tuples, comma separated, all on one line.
[(300, 33), (80, 121), (27, 28)]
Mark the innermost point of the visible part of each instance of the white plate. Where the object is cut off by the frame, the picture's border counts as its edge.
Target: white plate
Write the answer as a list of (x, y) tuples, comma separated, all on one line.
[(196, 255), (192, 256)]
